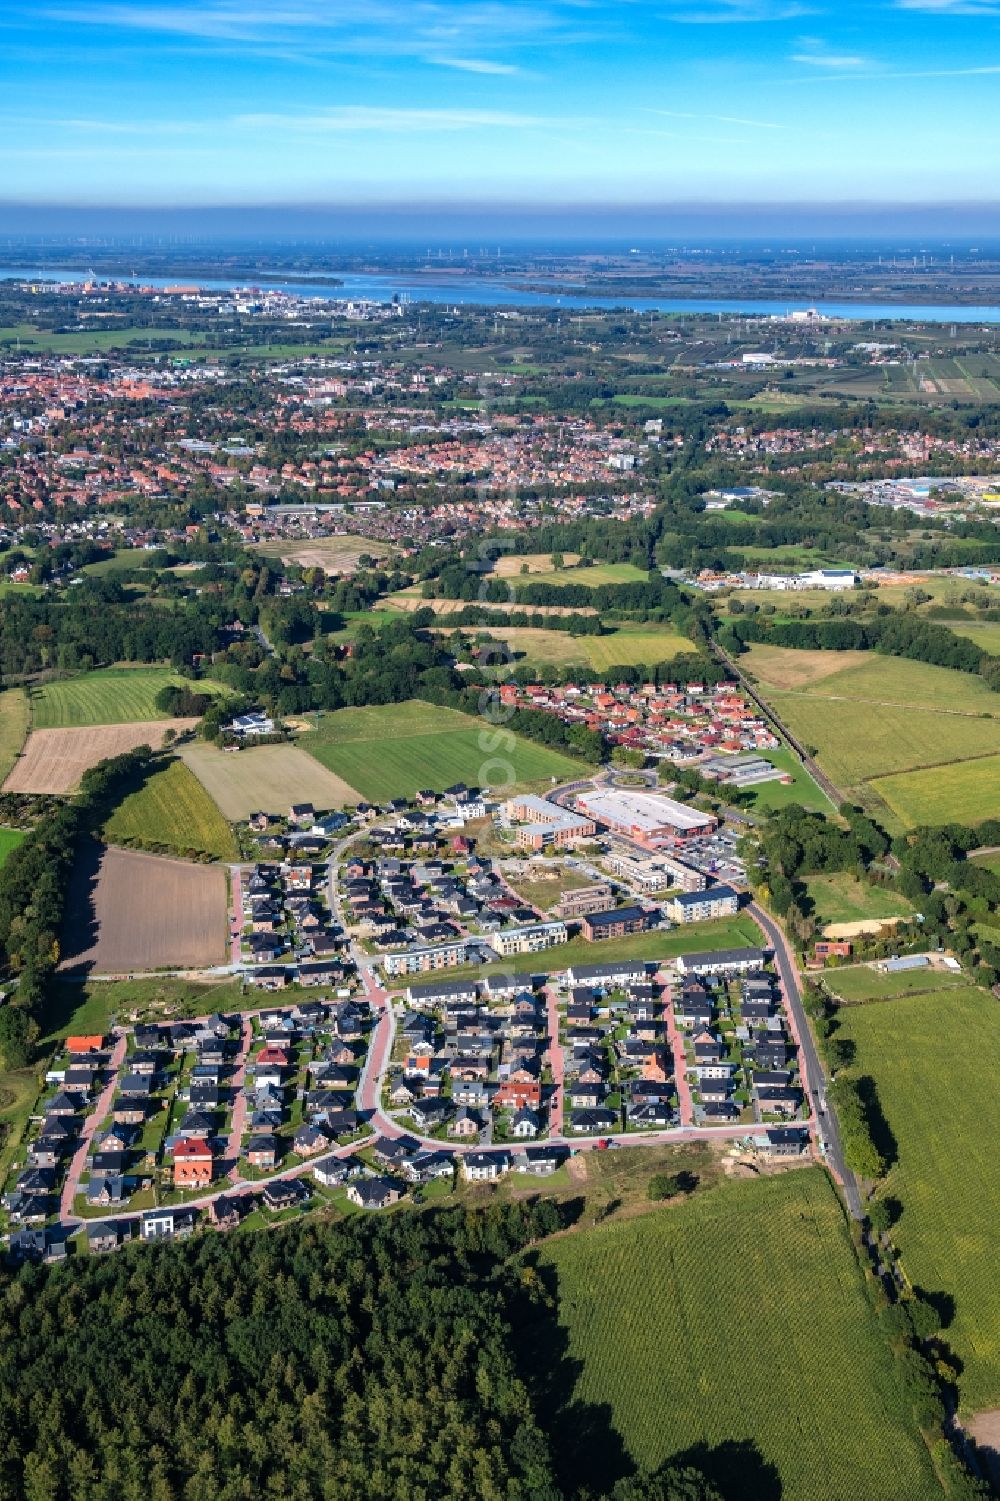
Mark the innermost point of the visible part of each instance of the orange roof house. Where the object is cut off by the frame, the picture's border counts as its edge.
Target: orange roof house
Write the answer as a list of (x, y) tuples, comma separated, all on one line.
[(193, 1163), (89, 1043)]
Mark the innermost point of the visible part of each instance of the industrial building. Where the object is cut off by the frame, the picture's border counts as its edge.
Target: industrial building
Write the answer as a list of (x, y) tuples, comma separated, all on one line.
[(647, 818)]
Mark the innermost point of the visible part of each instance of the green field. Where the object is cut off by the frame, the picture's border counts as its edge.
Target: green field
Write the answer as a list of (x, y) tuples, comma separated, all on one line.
[(720, 933), (112, 695), (935, 1062), (18, 1093), (735, 1324), (964, 793), (89, 1007), (13, 728), (174, 814), (802, 789), (842, 897), (396, 749), (859, 983), (628, 646), (599, 573), (857, 742)]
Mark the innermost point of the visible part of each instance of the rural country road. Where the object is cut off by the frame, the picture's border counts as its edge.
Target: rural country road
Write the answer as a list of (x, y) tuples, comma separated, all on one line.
[(813, 1074)]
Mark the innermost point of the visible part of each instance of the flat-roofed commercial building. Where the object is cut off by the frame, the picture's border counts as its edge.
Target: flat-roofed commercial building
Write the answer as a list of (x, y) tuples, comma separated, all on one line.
[(528, 940), (647, 818), (655, 873), (617, 924), (699, 906), (544, 823)]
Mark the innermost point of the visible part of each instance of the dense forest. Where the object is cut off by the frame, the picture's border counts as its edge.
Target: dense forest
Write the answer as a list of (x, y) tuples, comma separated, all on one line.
[(341, 1362)]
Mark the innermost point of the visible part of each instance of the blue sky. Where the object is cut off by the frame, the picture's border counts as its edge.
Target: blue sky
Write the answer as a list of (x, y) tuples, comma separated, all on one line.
[(318, 101)]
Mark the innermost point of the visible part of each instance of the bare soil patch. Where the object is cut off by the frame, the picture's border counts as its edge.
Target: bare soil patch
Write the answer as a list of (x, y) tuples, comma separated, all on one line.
[(856, 929), (130, 911), (54, 760)]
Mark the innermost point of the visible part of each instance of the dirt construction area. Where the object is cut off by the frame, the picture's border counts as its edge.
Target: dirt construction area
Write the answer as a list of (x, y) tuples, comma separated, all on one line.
[(55, 760), (266, 777), (130, 911)]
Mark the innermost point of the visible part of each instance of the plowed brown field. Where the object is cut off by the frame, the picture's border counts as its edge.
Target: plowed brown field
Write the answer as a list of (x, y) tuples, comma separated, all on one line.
[(130, 911), (55, 760)]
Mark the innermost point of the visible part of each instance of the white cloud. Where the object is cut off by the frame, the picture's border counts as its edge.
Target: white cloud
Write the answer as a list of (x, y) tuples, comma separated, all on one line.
[(676, 114), (474, 65), (832, 60), (354, 117), (738, 12), (952, 7)]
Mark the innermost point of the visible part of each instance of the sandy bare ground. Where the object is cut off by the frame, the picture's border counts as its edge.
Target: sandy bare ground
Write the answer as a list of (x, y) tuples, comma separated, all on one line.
[(130, 911), (55, 760), (985, 1430), (856, 929), (268, 778), (334, 555)]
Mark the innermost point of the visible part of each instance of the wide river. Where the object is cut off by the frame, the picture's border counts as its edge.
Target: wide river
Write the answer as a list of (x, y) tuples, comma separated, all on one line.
[(475, 292)]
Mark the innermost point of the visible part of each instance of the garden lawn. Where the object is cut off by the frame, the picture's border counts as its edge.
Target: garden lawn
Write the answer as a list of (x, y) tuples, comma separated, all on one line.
[(13, 728), (112, 695), (172, 814), (395, 750), (802, 789), (735, 1323), (935, 1062)]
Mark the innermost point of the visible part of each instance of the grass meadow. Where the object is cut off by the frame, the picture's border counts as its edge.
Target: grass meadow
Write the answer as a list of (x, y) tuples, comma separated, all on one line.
[(13, 728), (9, 841), (397, 749), (842, 897), (628, 646), (935, 1061), (112, 695), (966, 792), (860, 983), (724, 1324), (173, 814)]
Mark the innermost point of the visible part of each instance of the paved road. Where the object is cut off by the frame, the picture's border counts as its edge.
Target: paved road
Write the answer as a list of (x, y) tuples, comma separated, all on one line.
[(813, 1073), (685, 1104), (89, 1129), (239, 1099), (557, 1062)]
